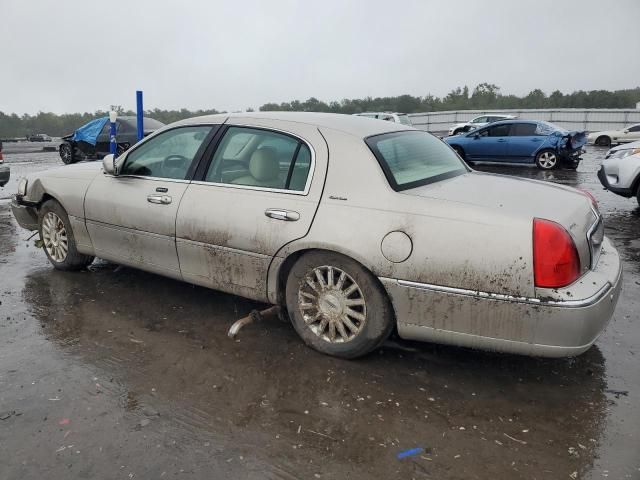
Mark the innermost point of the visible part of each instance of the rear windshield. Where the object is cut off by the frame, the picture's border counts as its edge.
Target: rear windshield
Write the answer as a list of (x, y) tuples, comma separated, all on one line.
[(547, 128), (413, 158)]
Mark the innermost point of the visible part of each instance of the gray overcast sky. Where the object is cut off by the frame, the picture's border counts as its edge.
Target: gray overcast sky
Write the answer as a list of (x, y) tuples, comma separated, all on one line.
[(58, 56)]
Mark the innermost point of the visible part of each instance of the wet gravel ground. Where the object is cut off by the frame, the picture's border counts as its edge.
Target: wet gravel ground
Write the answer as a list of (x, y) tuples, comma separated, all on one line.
[(116, 373)]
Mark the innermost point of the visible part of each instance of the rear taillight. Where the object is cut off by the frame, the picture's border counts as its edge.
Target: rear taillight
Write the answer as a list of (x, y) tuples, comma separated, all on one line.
[(555, 258)]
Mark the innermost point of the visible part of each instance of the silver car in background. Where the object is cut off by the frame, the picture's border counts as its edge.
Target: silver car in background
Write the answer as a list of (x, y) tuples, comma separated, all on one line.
[(354, 227), (620, 170)]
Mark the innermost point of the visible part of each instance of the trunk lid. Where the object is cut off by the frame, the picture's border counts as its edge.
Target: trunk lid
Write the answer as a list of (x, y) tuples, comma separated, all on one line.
[(523, 197)]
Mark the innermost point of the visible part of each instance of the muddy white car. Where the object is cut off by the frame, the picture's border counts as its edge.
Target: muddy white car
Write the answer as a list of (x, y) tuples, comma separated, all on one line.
[(353, 227)]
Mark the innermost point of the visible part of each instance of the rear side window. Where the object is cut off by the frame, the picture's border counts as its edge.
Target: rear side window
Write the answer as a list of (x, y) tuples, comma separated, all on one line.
[(412, 159), (523, 130)]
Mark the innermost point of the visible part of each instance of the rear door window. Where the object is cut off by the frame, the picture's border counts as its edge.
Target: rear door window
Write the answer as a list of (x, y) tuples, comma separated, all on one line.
[(260, 158)]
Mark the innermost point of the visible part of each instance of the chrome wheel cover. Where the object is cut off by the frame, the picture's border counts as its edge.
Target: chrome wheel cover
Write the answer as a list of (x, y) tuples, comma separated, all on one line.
[(54, 237), (66, 153), (547, 160), (332, 304)]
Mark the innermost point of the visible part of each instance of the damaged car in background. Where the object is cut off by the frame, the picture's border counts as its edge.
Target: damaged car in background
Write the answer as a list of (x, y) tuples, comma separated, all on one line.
[(354, 228), (92, 140), (521, 141)]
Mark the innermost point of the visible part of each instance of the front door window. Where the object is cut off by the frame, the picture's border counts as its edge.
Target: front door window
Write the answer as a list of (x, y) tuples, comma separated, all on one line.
[(167, 155)]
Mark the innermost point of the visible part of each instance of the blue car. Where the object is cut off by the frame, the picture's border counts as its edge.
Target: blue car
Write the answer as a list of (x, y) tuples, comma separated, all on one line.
[(521, 141)]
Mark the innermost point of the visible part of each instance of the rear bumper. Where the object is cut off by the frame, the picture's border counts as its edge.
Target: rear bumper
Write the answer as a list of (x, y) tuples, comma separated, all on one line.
[(26, 216), (5, 174), (526, 326)]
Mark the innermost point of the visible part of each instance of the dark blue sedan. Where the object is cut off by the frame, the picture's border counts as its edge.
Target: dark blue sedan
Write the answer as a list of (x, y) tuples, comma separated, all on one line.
[(521, 141)]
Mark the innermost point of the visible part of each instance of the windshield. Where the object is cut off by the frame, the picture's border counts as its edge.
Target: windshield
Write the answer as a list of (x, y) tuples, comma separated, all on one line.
[(411, 159), (404, 119)]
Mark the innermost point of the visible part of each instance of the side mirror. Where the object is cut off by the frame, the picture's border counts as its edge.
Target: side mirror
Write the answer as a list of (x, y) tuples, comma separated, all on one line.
[(109, 164), (476, 135)]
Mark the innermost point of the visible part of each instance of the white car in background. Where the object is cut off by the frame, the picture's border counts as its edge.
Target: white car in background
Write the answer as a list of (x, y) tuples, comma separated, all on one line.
[(388, 116), (612, 137), (624, 150), (477, 122), (620, 173)]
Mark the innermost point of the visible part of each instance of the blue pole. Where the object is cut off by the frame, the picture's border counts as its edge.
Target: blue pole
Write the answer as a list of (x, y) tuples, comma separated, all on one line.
[(113, 144), (140, 114)]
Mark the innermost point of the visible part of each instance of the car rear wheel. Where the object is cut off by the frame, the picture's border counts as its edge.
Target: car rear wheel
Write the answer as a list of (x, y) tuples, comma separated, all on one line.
[(57, 238), (603, 141), (337, 306), (66, 153), (546, 160)]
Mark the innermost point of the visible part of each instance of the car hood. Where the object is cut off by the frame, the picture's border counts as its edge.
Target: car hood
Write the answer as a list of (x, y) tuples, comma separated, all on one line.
[(518, 197), (80, 170), (624, 146)]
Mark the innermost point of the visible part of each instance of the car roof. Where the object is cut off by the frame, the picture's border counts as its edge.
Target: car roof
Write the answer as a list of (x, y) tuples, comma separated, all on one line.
[(351, 124)]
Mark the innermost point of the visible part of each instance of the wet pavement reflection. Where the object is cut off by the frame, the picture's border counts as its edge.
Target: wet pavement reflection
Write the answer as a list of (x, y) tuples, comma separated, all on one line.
[(116, 373)]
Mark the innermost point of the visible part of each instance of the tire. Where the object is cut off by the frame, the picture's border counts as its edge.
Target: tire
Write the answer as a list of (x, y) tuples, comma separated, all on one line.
[(547, 160), (603, 141), (638, 195), (66, 153), (322, 320), (56, 233)]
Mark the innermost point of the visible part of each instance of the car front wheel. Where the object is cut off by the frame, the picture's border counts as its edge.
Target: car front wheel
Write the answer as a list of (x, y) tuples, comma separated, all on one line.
[(603, 141), (337, 306), (57, 238), (66, 153), (546, 160)]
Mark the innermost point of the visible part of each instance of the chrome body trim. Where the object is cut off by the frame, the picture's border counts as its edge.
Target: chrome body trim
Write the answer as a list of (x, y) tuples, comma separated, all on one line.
[(595, 255), (593, 299)]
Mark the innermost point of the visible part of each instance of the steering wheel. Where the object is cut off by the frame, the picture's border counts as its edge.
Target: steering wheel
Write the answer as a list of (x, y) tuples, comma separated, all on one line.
[(175, 166)]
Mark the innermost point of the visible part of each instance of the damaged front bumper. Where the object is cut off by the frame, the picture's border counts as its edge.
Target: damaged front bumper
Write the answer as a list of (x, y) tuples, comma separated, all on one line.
[(25, 215)]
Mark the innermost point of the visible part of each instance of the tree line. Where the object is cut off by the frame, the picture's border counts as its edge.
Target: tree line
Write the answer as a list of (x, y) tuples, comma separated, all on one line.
[(485, 96)]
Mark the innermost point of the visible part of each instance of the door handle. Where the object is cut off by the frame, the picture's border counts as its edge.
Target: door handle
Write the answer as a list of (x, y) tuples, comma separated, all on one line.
[(502, 140), (279, 214), (159, 199)]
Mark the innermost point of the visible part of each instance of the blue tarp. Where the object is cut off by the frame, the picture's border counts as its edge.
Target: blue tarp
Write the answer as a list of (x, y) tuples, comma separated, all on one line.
[(89, 132)]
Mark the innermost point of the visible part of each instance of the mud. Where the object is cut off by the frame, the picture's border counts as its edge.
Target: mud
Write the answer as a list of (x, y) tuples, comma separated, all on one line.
[(116, 373)]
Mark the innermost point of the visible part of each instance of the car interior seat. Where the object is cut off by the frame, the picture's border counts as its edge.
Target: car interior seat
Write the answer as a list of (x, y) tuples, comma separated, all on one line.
[(264, 170)]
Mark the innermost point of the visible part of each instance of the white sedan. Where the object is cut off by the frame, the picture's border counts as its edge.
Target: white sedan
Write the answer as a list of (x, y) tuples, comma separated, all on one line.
[(611, 137)]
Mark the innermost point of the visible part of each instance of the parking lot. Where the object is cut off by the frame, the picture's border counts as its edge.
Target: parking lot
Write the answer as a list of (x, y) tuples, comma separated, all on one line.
[(117, 373)]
